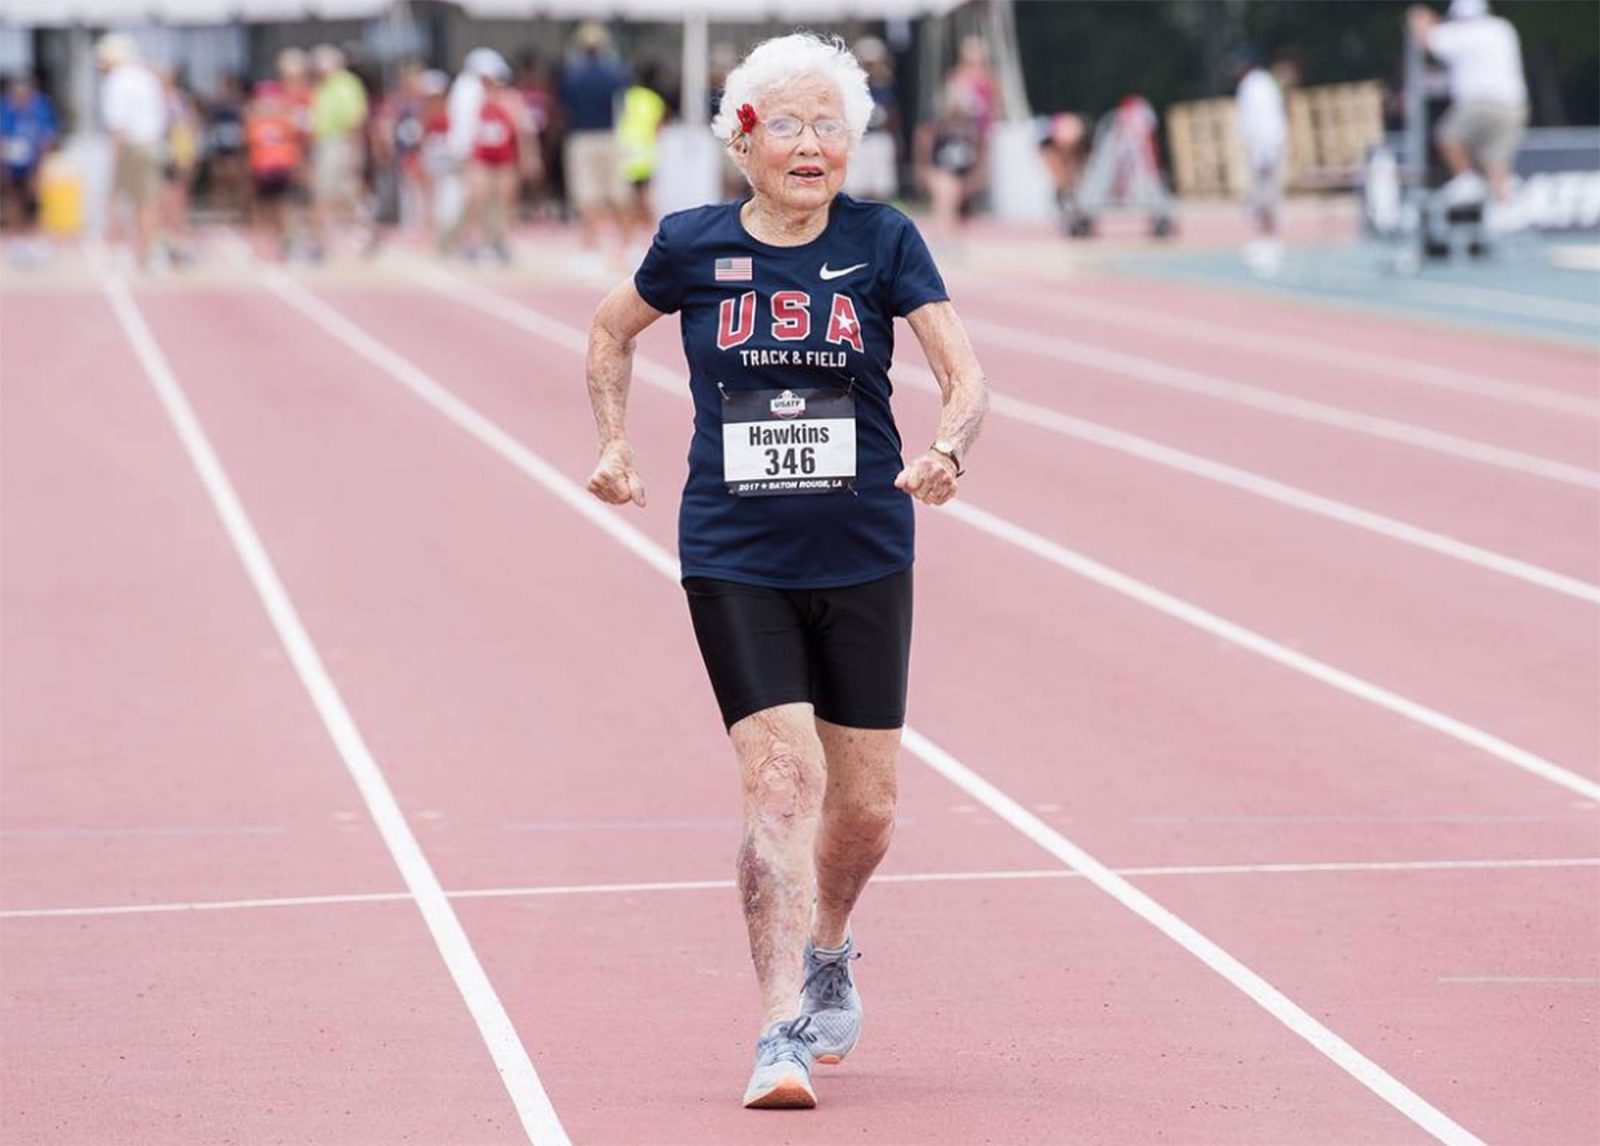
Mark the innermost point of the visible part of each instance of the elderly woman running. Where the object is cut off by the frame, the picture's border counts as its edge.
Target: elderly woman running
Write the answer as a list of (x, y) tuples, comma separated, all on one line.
[(795, 532)]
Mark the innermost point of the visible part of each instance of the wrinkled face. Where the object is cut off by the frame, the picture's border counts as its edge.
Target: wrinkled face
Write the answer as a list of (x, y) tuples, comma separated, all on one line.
[(804, 171)]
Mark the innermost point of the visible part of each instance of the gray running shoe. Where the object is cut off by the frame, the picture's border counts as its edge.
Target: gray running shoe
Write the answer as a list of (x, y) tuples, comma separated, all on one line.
[(831, 1000), (782, 1078)]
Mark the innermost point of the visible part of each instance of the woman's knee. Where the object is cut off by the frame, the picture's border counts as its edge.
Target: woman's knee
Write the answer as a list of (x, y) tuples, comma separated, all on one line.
[(781, 783)]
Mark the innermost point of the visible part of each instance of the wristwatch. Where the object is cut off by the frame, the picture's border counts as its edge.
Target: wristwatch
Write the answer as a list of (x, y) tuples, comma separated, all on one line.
[(948, 449)]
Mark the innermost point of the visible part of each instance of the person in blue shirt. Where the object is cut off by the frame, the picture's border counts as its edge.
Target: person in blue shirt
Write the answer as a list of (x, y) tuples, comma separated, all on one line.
[(796, 526), (591, 85), (27, 133)]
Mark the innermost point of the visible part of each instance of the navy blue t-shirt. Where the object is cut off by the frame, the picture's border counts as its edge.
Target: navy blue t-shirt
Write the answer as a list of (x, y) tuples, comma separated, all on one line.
[(816, 319), (589, 90)]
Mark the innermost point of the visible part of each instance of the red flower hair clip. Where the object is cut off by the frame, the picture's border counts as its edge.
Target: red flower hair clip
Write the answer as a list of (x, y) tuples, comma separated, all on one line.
[(747, 118)]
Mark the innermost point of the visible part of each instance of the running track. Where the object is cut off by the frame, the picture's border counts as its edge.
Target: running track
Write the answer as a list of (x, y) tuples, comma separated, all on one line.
[(1344, 735)]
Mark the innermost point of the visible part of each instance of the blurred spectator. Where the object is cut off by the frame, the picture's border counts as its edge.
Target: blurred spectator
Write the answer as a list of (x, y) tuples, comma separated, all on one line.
[(274, 148), (590, 86), (27, 135), (134, 109), (469, 93), (974, 77), (874, 167), (1064, 145), (395, 142), (1478, 136), (434, 163), (227, 168), (297, 92), (1264, 136), (503, 147), (971, 88), (181, 161), (949, 157), (338, 124), (643, 111), (542, 190)]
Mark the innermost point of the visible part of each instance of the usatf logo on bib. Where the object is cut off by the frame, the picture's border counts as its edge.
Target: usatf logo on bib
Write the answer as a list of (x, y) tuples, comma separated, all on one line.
[(788, 405)]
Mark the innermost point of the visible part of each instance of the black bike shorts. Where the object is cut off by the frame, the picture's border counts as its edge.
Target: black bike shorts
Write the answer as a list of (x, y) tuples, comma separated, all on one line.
[(846, 651)]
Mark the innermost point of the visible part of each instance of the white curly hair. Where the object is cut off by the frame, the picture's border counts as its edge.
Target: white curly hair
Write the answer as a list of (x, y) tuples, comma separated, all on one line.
[(776, 63)]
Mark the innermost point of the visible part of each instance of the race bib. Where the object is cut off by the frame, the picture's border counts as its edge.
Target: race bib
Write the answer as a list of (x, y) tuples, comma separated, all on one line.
[(780, 442)]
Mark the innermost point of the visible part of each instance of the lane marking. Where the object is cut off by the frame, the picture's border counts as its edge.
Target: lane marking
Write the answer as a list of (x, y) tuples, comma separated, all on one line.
[(1273, 1001), (510, 1056), (1319, 352), (1260, 398), (582, 889), (1196, 617), (111, 833), (1525, 980), (1046, 418), (658, 375), (1318, 818)]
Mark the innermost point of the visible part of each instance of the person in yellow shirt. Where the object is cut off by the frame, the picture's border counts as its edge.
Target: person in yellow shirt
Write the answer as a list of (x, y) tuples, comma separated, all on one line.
[(338, 136), (643, 111)]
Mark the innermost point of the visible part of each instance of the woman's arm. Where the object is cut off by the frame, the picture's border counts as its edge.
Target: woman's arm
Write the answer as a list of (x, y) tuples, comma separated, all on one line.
[(617, 322), (931, 477)]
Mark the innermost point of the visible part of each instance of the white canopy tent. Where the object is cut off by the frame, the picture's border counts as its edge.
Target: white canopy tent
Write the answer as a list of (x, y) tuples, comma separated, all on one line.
[(123, 13)]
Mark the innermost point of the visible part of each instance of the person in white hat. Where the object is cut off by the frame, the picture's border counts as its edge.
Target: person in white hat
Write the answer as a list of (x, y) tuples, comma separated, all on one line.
[(133, 106), (465, 112), (1478, 136)]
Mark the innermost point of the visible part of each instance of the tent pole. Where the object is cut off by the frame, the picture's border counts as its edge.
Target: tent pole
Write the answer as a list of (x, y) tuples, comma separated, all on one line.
[(695, 100)]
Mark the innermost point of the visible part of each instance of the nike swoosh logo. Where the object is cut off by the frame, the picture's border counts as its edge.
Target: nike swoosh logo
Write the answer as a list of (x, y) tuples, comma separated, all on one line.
[(829, 276)]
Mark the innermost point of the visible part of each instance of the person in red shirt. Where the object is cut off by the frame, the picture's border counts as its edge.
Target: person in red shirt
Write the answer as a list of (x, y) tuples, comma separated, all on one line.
[(503, 150), (273, 146)]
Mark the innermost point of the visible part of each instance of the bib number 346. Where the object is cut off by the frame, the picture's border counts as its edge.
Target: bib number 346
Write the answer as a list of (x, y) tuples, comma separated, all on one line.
[(782, 442)]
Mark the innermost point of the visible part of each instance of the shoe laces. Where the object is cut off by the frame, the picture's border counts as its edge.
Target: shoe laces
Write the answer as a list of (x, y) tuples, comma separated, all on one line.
[(832, 980), (791, 1040)]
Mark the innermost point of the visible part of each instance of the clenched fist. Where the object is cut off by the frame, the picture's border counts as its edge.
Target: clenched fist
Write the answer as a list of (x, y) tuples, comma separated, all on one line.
[(615, 479), (930, 478)]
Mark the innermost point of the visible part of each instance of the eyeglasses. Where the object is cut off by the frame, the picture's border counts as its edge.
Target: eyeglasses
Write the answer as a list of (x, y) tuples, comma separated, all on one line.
[(788, 127)]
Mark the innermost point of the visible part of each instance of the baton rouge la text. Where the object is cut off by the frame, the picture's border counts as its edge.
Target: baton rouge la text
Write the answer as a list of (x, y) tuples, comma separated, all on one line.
[(827, 359)]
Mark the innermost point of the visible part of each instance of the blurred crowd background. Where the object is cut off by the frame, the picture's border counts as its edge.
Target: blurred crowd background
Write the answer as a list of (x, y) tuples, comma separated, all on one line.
[(320, 126)]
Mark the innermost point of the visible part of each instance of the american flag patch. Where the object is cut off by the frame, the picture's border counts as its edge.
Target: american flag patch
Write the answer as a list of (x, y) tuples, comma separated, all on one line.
[(739, 270)]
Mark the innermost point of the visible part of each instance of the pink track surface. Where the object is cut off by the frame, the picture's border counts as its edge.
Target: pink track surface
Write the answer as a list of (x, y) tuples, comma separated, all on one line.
[(531, 691)]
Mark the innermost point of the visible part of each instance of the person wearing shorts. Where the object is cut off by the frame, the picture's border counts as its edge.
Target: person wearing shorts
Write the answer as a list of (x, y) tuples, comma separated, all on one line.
[(273, 151), (502, 150), (338, 156), (591, 87), (27, 134), (795, 533), (133, 106), (1479, 134)]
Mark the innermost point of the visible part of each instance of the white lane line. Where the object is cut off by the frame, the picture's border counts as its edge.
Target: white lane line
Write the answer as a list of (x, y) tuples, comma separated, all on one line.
[(510, 1056), (581, 889), (1525, 980), (74, 833), (206, 905), (1145, 449), (1318, 352), (1349, 683), (1260, 398), (1280, 1006), (1104, 575)]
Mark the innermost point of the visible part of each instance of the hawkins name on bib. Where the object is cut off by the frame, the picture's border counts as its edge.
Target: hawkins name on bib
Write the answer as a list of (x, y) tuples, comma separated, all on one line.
[(777, 442)]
